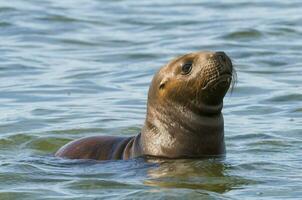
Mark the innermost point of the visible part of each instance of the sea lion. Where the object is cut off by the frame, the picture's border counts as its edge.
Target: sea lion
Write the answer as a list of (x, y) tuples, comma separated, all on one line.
[(184, 118)]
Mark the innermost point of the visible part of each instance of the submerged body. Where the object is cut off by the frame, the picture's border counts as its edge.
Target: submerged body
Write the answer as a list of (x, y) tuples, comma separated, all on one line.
[(184, 118)]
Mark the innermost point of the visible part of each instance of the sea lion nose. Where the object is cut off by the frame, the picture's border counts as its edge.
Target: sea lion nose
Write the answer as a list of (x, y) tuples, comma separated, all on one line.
[(221, 56), (224, 60)]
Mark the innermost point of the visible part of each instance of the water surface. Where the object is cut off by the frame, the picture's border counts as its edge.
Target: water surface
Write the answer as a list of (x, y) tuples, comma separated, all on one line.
[(70, 69)]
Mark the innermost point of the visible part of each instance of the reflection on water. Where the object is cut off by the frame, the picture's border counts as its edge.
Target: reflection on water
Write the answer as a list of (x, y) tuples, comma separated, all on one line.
[(70, 69), (209, 175)]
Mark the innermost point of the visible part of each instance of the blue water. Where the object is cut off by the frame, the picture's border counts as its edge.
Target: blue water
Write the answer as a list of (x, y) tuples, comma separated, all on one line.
[(70, 69)]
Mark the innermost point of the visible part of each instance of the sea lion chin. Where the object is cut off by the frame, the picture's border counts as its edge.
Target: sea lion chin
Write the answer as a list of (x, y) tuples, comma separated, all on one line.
[(183, 120)]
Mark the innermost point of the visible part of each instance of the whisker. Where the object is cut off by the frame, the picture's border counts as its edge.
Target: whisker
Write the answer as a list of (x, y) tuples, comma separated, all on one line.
[(234, 79)]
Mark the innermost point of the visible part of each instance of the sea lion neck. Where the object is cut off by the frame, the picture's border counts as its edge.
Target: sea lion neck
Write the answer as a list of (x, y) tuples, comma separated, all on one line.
[(171, 117), (204, 109), (174, 131)]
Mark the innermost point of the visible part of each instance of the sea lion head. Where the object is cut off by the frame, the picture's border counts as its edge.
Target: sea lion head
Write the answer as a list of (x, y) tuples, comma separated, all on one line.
[(196, 81), (184, 106)]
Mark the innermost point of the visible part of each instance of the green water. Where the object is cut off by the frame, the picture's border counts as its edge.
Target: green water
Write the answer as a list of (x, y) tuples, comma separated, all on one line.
[(70, 69)]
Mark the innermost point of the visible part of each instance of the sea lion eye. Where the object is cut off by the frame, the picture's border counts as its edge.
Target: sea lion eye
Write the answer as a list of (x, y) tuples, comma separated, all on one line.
[(186, 68)]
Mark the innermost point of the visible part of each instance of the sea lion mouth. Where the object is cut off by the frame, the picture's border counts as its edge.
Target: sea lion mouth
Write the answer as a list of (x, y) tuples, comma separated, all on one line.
[(223, 80)]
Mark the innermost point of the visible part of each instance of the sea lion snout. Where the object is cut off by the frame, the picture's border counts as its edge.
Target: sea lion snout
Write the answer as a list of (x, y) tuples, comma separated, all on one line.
[(222, 62), (218, 66)]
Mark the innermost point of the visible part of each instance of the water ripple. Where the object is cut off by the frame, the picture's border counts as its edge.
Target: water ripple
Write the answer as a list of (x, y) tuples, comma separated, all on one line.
[(71, 69)]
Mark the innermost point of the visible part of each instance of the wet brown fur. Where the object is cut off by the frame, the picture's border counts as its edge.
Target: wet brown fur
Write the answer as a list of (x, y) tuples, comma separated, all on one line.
[(184, 118)]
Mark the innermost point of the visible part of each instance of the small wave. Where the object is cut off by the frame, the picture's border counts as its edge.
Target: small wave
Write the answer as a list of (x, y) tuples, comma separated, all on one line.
[(249, 34)]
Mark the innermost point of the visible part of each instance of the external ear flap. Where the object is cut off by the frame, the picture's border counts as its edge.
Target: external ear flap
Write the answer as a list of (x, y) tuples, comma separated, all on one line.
[(163, 83)]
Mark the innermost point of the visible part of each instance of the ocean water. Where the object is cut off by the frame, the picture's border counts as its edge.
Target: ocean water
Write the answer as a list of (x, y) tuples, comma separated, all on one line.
[(76, 68)]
